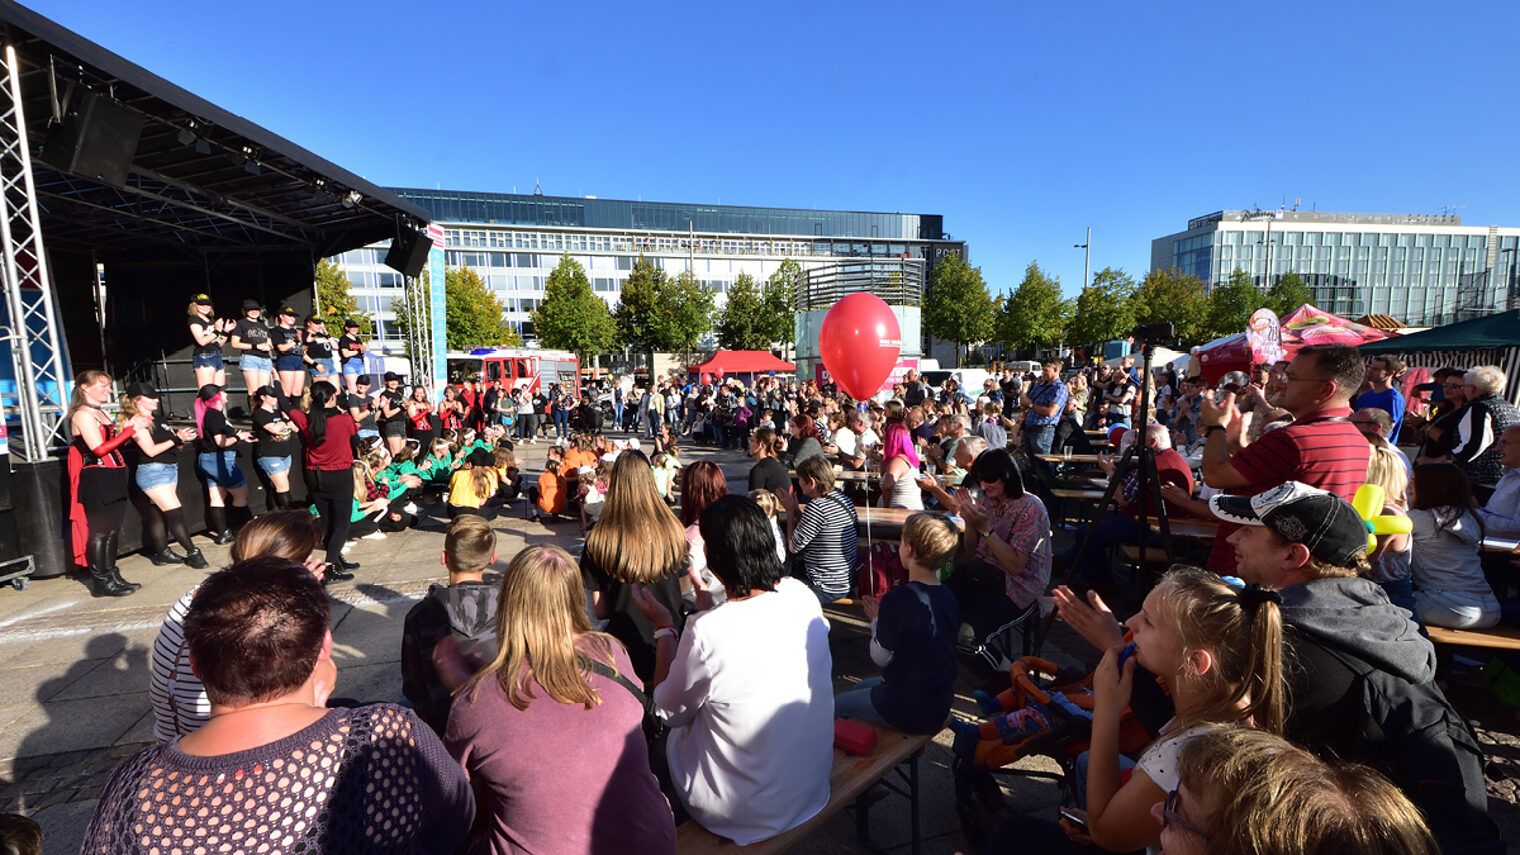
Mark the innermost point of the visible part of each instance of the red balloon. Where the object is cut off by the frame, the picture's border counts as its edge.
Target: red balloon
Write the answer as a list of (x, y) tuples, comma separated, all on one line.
[(860, 341)]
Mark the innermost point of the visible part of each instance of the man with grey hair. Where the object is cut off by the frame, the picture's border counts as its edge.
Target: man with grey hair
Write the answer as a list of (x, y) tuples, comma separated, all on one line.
[(1501, 514), (1485, 418), (966, 451)]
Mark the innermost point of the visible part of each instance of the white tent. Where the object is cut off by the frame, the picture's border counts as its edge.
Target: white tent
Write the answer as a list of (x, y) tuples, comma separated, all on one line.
[(1163, 357)]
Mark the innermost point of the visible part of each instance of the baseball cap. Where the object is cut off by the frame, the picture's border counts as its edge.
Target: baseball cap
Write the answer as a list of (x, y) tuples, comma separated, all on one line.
[(1298, 513), (391, 375), (203, 299), (350, 323), (251, 304), (209, 391), (141, 390), (266, 389), (290, 310)]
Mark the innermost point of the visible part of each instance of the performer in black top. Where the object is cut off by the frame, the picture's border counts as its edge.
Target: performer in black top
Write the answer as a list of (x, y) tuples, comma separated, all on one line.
[(361, 407), (289, 361), (391, 405), (351, 354), (155, 466), (250, 337), (208, 333), (272, 431), (216, 460), (319, 352), (98, 482)]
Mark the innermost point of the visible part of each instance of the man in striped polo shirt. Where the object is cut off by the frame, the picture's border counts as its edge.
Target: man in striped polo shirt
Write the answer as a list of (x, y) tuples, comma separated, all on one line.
[(1321, 447)]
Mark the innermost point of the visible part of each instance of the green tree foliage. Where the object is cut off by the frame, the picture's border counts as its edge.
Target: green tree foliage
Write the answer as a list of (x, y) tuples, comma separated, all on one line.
[(779, 302), (1106, 310), (1171, 295), (1288, 293), (691, 310), (1231, 304), (337, 301), (474, 317), (642, 322), (572, 317), (742, 324), (1034, 316), (958, 307)]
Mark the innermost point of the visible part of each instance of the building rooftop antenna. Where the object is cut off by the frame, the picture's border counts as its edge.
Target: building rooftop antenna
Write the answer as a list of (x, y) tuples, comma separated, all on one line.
[(538, 189)]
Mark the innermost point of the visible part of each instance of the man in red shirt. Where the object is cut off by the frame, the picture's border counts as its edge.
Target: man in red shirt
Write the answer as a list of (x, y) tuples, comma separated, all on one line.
[(1321, 447)]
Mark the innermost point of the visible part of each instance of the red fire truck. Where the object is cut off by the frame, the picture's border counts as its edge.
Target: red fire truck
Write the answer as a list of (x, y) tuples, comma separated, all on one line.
[(516, 367)]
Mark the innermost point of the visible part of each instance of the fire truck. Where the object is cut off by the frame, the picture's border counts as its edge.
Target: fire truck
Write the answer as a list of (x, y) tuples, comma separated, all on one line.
[(516, 367)]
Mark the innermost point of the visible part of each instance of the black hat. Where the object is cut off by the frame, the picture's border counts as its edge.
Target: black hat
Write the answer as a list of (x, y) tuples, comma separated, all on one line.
[(249, 305), (209, 391), (350, 323), (141, 390), (481, 457), (265, 389), (391, 375), (362, 380), (1324, 522), (289, 310), (203, 299)]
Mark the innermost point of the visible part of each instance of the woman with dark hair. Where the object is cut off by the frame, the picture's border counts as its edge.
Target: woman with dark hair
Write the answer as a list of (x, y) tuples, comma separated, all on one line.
[(551, 741), (768, 473), (702, 483), (1008, 539), (1450, 588), (328, 434), (420, 420), (747, 692), (216, 459), (98, 482), (178, 698), (637, 542), (804, 441), (273, 764)]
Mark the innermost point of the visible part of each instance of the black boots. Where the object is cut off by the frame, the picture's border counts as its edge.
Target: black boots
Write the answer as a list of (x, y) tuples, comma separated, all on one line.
[(166, 557), (196, 560), (105, 579), (216, 524)]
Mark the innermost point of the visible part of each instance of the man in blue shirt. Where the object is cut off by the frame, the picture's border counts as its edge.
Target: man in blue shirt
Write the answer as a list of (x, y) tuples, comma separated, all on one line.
[(1043, 404), (1383, 374)]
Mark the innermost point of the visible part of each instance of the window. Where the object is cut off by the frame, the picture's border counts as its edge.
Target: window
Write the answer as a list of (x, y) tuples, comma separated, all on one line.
[(526, 259), (625, 262)]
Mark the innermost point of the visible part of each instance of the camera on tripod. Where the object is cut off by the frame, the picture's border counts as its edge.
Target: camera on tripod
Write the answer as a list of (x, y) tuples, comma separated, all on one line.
[(1159, 331)]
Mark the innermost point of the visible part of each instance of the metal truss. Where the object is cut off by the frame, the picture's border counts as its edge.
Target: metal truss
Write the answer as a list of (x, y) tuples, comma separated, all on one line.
[(419, 330), (31, 323)]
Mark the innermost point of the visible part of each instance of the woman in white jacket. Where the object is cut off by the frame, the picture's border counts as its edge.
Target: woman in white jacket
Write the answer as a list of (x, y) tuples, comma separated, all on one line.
[(1450, 589)]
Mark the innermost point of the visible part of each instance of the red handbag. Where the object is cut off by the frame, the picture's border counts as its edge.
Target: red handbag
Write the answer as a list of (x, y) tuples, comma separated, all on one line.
[(879, 570)]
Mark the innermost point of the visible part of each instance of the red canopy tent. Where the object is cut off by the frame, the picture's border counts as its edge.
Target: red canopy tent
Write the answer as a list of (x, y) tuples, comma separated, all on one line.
[(752, 362), (1304, 325)]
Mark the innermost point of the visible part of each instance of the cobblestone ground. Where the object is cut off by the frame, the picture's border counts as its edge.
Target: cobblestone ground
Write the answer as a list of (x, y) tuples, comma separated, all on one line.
[(73, 678)]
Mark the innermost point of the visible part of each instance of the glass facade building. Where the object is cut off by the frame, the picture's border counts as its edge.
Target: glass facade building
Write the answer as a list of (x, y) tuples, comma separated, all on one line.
[(514, 242), (1424, 270)]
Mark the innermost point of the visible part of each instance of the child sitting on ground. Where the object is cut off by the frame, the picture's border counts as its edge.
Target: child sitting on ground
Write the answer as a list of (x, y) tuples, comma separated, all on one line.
[(768, 503), (548, 496), (912, 637), (464, 609), (473, 485)]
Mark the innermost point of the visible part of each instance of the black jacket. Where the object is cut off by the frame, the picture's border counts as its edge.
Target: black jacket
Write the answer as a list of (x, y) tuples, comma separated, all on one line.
[(467, 611)]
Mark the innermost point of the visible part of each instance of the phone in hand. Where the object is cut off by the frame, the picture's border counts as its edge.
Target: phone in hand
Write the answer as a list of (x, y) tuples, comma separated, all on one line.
[(1071, 816)]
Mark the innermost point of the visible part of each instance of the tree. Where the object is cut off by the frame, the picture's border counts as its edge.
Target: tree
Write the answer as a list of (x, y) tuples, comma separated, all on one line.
[(1106, 310), (572, 317), (1035, 316), (336, 300), (958, 307), (473, 316), (742, 324), (691, 309), (642, 322), (1288, 293), (779, 302), (1171, 295), (1231, 305)]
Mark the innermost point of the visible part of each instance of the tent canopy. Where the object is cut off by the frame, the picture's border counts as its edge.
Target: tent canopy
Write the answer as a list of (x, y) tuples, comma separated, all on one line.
[(1501, 330), (742, 362)]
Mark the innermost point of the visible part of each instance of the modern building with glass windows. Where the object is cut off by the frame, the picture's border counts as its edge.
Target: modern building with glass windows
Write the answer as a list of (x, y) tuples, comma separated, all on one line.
[(1424, 270), (514, 242)]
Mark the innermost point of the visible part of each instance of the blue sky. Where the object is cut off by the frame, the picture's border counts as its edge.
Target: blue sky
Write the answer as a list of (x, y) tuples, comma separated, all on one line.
[(1022, 123)]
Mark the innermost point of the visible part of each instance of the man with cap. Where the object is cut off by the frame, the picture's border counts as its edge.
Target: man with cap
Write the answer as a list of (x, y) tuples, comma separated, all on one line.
[(1361, 678), (285, 339), (351, 354), (1321, 448), (250, 338)]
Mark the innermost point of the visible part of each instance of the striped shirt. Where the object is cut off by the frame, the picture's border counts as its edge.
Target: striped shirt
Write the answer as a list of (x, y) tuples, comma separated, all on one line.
[(178, 698), (1324, 450), (825, 535)]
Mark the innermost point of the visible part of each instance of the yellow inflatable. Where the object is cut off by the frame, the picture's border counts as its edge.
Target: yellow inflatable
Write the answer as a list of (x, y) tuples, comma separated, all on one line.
[(1369, 505)]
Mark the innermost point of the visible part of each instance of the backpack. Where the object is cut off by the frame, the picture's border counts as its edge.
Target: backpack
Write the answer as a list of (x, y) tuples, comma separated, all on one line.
[(1424, 746)]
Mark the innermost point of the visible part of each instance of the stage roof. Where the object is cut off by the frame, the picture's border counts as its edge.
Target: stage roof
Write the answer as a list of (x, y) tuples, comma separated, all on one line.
[(203, 180)]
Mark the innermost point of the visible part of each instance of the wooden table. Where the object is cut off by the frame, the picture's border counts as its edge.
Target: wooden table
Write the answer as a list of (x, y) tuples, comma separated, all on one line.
[(1500, 544), (1196, 529), (887, 523), (1074, 458)]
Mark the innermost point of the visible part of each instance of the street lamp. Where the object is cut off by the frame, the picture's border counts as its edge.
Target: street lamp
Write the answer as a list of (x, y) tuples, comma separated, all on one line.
[(1087, 260)]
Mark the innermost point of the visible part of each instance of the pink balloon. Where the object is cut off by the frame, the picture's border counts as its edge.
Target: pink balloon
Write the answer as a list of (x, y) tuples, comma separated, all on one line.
[(859, 341)]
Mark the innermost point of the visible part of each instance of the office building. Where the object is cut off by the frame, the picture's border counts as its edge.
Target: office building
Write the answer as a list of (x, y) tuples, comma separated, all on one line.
[(514, 242), (1424, 270)]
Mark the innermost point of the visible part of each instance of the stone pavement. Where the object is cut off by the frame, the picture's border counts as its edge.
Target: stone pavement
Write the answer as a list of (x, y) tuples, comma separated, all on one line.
[(74, 676)]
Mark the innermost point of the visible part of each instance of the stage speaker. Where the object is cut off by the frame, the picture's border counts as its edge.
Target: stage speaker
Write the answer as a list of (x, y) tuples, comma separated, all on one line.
[(97, 139), (409, 252)]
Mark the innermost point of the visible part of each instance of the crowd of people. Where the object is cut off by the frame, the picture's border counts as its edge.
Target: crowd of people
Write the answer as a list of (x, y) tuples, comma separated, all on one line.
[(680, 668)]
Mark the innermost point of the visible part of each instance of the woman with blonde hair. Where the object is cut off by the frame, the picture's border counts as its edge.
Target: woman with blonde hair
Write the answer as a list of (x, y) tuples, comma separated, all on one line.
[(157, 476), (550, 729), (637, 542), (207, 334)]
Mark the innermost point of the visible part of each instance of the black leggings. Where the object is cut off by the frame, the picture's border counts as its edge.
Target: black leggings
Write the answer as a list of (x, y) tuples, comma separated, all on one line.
[(332, 491)]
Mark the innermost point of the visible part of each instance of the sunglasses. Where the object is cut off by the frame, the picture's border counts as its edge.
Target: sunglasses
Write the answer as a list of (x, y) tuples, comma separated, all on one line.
[(1169, 816)]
